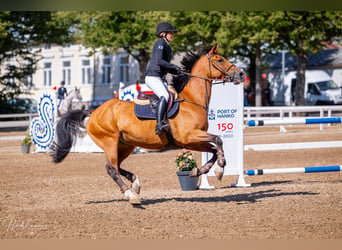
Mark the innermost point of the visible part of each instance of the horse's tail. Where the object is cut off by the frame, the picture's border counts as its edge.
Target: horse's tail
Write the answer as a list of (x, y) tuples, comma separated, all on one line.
[(66, 133)]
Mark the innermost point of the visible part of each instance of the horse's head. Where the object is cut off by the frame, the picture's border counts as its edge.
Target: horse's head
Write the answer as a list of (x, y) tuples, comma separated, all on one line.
[(221, 68), (78, 94)]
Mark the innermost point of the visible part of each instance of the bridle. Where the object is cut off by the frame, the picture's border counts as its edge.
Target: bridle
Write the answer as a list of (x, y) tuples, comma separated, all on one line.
[(227, 78), (208, 80)]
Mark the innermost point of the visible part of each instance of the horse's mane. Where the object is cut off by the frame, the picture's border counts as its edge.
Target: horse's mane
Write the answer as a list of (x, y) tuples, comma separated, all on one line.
[(188, 61)]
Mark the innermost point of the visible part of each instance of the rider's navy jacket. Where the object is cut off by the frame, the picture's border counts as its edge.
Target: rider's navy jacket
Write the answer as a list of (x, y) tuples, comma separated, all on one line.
[(61, 92), (160, 65)]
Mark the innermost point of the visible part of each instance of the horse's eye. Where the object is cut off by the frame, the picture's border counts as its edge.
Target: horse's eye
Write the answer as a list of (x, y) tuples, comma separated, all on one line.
[(220, 60)]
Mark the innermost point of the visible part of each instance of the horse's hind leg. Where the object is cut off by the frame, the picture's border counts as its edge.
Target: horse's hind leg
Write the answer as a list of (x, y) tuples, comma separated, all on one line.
[(123, 152), (111, 147), (114, 173)]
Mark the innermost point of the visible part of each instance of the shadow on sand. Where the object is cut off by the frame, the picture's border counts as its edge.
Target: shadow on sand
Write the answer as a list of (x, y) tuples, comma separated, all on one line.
[(243, 198)]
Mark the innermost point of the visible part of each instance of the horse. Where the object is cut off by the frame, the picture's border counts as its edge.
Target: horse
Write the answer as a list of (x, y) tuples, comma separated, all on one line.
[(114, 127), (66, 103)]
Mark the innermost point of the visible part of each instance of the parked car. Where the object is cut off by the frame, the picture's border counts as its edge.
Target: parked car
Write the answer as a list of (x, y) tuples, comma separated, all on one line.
[(320, 88), (23, 105)]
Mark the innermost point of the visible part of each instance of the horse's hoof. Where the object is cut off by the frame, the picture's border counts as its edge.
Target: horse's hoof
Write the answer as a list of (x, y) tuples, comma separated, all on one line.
[(219, 173), (133, 199), (136, 185), (194, 172), (221, 163)]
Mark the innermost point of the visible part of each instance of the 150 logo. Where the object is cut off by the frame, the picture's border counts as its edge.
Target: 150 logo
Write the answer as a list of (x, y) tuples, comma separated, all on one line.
[(225, 126)]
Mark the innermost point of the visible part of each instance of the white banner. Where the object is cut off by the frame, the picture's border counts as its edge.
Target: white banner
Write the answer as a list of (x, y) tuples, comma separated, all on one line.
[(225, 117)]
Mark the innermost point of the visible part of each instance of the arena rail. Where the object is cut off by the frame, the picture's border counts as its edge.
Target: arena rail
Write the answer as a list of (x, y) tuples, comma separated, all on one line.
[(11, 120), (289, 111)]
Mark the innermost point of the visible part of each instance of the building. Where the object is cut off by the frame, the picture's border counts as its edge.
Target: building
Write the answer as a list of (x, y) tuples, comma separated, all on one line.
[(97, 75)]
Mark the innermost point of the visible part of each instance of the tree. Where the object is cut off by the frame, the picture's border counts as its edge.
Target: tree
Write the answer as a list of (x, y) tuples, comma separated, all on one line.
[(114, 30), (304, 32), (19, 32), (245, 33), (196, 29), (135, 31)]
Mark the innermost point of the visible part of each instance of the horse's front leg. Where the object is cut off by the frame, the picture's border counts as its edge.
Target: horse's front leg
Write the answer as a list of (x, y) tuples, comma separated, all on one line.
[(205, 142), (133, 178), (221, 161), (205, 168)]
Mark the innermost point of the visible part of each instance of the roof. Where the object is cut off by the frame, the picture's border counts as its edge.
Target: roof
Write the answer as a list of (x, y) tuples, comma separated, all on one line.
[(323, 58)]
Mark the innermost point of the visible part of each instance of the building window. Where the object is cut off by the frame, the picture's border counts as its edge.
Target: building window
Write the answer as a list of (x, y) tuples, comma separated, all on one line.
[(67, 72), (124, 69), (47, 47), (47, 74), (86, 72), (28, 82), (106, 69)]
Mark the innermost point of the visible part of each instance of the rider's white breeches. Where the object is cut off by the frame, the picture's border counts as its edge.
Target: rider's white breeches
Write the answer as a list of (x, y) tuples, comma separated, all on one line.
[(158, 86)]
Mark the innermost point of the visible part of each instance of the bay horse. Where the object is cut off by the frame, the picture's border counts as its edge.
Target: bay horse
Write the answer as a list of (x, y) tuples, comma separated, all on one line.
[(66, 103), (114, 127)]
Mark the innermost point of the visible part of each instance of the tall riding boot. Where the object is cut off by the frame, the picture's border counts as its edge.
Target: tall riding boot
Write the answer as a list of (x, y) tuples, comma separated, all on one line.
[(162, 122)]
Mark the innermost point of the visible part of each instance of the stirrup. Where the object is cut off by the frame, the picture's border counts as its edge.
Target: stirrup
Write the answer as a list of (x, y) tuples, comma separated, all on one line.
[(162, 126)]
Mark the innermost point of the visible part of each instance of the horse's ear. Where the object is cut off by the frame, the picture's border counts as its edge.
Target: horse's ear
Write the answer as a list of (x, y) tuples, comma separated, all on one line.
[(214, 49)]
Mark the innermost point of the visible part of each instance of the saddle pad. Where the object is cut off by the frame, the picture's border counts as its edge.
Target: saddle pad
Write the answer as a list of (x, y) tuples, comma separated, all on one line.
[(145, 111)]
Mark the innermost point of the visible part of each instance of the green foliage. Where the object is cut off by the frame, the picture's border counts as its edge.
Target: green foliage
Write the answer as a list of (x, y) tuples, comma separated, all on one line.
[(27, 140), (185, 160), (19, 33), (303, 32), (238, 33), (113, 30)]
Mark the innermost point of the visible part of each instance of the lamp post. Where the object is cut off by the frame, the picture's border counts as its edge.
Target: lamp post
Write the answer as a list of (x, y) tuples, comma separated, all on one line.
[(283, 52)]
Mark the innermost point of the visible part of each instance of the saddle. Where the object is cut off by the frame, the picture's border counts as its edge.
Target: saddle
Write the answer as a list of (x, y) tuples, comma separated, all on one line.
[(145, 104)]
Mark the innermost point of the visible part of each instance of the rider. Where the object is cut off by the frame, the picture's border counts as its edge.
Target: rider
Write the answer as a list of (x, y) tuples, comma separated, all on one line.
[(61, 93), (157, 68)]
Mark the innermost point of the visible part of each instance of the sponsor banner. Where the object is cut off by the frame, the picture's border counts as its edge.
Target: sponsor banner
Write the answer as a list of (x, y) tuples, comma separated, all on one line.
[(225, 117), (128, 93)]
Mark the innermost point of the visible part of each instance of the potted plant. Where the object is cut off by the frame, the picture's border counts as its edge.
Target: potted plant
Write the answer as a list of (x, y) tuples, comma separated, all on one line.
[(26, 144), (185, 162)]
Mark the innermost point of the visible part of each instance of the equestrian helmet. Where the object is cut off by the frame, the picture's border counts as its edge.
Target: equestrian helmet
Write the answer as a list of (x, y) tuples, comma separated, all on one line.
[(165, 27)]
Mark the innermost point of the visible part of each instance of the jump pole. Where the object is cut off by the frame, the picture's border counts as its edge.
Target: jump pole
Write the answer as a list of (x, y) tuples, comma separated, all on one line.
[(293, 121), (314, 169)]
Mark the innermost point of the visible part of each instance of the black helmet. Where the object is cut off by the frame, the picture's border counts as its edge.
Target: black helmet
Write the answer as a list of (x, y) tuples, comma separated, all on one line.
[(164, 27)]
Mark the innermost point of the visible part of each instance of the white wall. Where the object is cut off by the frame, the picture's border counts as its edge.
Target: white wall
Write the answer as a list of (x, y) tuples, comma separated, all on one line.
[(74, 54)]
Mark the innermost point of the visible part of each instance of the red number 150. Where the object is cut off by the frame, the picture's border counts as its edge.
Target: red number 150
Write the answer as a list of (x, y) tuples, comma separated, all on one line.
[(224, 126)]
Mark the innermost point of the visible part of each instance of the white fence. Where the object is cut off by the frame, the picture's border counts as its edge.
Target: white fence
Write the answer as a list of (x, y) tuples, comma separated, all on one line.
[(255, 113), (289, 111), (280, 112), (11, 120)]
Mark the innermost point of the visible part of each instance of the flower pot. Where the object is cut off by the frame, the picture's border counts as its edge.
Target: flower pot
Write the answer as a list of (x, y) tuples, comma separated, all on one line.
[(186, 182), (25, 149)]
